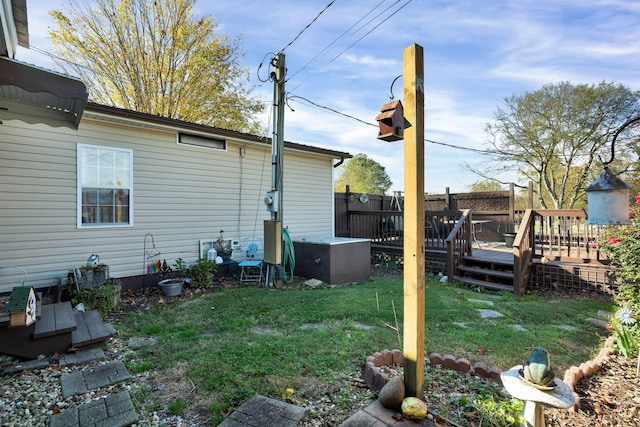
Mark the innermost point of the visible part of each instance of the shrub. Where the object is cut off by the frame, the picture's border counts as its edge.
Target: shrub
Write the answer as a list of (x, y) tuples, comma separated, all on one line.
[(201, 273), (623, 246)]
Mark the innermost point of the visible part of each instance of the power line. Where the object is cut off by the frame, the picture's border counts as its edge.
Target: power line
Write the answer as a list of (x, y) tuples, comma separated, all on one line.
[(294, 97), (326, 48), (308, 25), (323, 107), (371, 30)]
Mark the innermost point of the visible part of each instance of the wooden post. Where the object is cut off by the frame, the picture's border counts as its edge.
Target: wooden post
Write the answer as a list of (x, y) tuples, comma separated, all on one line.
[(413, 323)]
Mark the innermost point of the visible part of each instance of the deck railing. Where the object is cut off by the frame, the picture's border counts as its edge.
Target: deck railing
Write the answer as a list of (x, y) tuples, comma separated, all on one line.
[(386, 228), (458, 242), (555, 235)]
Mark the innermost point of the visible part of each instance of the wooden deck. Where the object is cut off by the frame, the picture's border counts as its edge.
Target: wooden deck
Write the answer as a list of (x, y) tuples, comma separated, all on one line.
[(493, 251)]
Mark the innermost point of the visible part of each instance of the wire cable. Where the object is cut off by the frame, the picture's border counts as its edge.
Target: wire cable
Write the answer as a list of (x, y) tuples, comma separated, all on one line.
[(308, 25), (326, 48), (476, 150), (371, 30)]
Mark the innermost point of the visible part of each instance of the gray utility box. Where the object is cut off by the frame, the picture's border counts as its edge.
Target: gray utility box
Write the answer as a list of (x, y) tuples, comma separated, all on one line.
[(334, 260)]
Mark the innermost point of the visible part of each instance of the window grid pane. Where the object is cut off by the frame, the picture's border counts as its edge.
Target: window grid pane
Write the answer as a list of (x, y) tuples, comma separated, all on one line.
[(104, 185)]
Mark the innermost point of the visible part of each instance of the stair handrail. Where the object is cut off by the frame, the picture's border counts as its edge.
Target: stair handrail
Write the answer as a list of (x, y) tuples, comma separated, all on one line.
[(523, 252), (459, 243)]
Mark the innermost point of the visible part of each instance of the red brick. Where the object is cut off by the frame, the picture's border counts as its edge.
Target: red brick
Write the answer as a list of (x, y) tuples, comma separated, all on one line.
[(494, 373), (602, 360), (388, 357), (449, 362), (607, 351), (463, 365), (397, 356), (588, 368), (378, 359), (481, 369), (610, 341), (379, 380), (369, 372), (571, 376), (578, 405), (435, 359)]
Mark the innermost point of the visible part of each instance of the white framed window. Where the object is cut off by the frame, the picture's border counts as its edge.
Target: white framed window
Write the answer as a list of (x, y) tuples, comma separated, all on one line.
[(105, 186)]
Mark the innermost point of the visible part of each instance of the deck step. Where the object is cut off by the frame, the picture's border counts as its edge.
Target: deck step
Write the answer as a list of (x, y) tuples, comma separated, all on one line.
[(473, 260), (56, 319), (91, 330), (486, 272), (484, 283)]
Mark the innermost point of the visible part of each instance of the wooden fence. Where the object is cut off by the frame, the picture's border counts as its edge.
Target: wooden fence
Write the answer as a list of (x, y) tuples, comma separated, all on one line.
[(356, 214)]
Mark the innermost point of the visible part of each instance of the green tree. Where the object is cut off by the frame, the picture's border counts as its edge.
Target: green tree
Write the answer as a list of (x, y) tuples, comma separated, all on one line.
[(555, 136), (363, 175), (156, 57), (485, 185)]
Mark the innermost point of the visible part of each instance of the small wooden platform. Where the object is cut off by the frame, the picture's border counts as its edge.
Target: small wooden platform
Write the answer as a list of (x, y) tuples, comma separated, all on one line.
[(58, 329), (90, 329), (56, 319)]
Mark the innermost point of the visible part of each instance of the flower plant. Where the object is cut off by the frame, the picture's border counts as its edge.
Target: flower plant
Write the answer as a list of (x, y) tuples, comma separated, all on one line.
[(623, 246)]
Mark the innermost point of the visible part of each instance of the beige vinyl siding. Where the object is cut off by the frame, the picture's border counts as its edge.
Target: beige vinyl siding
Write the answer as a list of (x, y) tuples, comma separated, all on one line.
[(180, 194)]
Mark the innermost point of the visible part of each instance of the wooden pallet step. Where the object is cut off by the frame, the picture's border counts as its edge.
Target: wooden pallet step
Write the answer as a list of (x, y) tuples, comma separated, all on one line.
[(91, 329), (18, 341), (484, 284), (471, 260), (55, 319), (486, 272)]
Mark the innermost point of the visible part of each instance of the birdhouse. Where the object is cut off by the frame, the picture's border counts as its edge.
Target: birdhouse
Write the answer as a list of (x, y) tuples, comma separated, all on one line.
[(608, 200), (22, 306), (391, 121)]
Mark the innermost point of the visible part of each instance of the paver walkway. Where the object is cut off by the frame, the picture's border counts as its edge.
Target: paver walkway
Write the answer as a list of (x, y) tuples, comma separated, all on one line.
[(88, 379), (260, 411), (116, 410)]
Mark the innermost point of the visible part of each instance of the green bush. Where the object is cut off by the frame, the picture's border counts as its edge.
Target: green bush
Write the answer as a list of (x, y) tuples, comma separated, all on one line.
[(623, 245), (104, 298), (201, 273)]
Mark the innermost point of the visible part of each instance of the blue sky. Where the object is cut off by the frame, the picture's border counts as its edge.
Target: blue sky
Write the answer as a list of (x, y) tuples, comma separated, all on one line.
[(476, 53)]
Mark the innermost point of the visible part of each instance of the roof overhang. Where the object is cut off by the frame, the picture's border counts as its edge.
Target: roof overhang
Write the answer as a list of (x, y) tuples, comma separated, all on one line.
[(13, 26), (35, 95)]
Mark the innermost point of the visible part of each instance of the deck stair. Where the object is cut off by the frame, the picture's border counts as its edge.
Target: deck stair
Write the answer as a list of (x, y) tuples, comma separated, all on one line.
[(494, 274), (58, 329)]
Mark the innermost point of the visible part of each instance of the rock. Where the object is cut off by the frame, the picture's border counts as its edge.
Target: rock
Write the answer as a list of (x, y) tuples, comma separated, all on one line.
[(392, 394), (414, 408), (313, 283)]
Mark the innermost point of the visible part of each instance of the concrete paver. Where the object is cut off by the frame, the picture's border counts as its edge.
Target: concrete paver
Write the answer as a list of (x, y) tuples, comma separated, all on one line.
[(376, 415), (116, 410), (260, 411), (89, 379)]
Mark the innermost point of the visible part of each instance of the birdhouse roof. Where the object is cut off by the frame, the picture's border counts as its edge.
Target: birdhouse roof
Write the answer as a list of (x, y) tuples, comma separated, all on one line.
[(389, 109), (19, 299)]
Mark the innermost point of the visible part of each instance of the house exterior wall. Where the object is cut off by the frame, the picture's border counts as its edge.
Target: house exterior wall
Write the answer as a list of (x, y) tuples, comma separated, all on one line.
[(180, 194)]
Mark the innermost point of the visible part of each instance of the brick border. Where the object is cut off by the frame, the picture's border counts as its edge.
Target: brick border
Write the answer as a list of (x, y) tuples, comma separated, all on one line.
[(376, 379), (576, 373)]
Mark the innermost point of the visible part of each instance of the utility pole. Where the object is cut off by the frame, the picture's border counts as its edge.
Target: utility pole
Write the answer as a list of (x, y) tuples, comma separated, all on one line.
[(414, 312), (277, 142), (273, 200)]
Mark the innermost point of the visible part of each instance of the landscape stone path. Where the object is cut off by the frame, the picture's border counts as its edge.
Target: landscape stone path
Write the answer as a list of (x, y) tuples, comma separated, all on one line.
[(115, 410)]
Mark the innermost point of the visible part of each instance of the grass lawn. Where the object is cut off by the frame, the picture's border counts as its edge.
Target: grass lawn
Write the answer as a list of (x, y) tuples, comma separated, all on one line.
[(238, 342)]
